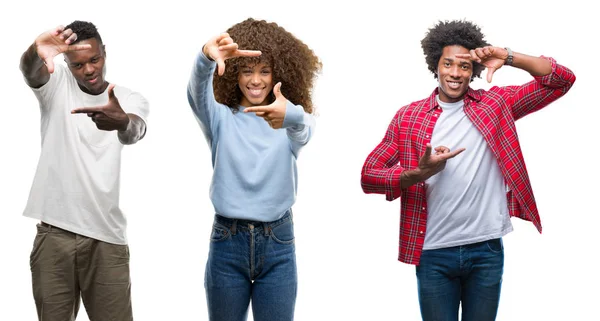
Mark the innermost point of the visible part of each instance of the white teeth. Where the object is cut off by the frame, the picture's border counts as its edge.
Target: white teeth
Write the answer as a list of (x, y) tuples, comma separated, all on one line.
[(255, 92), (453, 85)]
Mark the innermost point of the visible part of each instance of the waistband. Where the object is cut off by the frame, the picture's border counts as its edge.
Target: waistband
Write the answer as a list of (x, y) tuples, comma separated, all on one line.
[(236, 224)]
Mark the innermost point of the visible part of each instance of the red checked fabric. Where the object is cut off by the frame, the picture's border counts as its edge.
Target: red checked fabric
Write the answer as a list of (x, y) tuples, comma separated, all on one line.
[(493, 113)]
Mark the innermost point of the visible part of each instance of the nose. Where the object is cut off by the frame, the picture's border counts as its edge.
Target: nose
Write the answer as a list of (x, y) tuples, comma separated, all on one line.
[(454, 72), (88, 69), (255, 78)]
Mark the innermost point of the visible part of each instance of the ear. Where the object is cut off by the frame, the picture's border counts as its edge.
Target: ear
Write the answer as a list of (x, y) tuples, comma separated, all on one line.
[(104, 50)]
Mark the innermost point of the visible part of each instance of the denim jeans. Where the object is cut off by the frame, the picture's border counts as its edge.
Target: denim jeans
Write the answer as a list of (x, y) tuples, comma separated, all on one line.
[(470, 275), (251, 262)]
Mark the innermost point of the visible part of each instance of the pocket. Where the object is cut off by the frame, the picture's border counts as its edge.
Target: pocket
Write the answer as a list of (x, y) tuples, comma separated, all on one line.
[(283, 233), (495, 245), (219, 233), (40, 236)]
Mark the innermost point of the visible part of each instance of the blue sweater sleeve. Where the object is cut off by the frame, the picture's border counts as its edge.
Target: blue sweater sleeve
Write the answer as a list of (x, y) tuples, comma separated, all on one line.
[(299, 125), (201, 97)]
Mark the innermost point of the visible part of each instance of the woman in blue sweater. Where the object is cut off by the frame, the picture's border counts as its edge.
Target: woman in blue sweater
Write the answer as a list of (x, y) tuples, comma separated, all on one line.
[(255, 110)]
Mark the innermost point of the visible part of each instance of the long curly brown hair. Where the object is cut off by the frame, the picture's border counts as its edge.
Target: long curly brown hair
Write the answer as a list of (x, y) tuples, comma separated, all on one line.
[(292, 62)]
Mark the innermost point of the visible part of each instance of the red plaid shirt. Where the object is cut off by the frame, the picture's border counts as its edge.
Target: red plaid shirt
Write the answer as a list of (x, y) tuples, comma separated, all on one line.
[(493, 113)]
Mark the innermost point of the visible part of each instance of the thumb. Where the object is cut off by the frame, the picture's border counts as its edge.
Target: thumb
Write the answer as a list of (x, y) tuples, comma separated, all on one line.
[(427, 151), (111, 92), (490, 73), (49, 62), (277, 91), (220, 66)]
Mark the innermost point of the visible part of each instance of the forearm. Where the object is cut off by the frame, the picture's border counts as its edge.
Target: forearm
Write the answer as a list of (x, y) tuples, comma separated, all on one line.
[(136, 130), (200, 93), (536, 66), (411, 177), (33, 68), (298, 124)]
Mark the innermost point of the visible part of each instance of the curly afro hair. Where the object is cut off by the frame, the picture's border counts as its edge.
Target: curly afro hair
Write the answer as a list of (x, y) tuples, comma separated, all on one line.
[(84, 30), (449, 33), (292, 62)]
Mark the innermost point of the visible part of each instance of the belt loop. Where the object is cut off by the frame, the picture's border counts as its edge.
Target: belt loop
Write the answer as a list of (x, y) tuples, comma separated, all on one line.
[(234, 227), (266, 228)]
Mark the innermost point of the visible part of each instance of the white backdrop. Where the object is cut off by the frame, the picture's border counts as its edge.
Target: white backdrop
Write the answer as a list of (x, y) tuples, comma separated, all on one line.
[(346, 240)]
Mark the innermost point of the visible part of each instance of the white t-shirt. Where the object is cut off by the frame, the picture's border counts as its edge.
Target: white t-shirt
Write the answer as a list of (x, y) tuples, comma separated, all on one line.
[(466, 201), (76, 185)]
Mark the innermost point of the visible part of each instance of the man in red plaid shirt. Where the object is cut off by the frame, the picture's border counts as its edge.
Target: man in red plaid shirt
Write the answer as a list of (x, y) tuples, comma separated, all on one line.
[(455, 162)]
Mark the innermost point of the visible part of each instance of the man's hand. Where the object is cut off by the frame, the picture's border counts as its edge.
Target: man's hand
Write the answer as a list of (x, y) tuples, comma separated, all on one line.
[(54, 42), (222, 47), (274, 113), (108, 117), (491, 57), (430, 165)]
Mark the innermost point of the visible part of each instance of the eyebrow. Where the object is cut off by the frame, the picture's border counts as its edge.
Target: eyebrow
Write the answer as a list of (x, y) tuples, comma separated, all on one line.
[(463, 62)]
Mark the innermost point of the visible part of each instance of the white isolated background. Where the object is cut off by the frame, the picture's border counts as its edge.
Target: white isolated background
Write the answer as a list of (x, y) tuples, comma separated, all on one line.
[(346, 240)]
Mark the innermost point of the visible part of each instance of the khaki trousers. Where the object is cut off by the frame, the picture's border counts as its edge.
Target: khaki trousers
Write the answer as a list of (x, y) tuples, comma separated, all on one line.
[(66, 266)]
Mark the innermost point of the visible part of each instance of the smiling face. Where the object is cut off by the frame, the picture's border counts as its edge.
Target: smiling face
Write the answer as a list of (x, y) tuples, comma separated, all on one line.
[(87, 66), (454, 74), (256, 83)]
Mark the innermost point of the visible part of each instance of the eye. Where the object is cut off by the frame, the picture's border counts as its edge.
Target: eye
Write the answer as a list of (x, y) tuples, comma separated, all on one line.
[(265, 71), (95, 60), (466, 67), (77, 66), (446, 64)]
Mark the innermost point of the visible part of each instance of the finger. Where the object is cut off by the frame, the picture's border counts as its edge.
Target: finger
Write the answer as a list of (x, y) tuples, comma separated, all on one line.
[(487, 51), (261, 114), (277, 91), (86, 110), (474, 56), (231, 46), (66, 34), (71, 39), (264, 109), (58, 30), (463, 56), (452, 154), (91, 114), (220, 66), (49, 62), (79, 47), (247, 53), (111, 93), (225, 41), (427, 151), (480, 53), (442, 149), (490, 74)]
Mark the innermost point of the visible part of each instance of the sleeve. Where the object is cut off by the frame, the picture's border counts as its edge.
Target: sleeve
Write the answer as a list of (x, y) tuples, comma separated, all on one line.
[(201, 97), (299, 125), (381, 170), (541, 91), (46, 93)]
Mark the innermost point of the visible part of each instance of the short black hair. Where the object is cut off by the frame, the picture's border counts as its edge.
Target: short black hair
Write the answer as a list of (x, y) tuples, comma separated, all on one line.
[(450, 33), (84, 30)]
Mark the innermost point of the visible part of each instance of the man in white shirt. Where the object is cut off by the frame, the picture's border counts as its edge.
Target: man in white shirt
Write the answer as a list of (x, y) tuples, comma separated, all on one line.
[(80, 249)]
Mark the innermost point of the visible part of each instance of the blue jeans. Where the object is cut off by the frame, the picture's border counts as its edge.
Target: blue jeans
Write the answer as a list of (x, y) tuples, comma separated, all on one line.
[(251, 261), (468, 274)]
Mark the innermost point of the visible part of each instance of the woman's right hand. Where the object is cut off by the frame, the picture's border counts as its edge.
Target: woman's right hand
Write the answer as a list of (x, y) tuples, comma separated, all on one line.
[(222, 47)]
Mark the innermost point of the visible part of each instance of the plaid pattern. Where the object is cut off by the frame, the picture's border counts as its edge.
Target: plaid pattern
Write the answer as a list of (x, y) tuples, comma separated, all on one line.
[(493, 113)]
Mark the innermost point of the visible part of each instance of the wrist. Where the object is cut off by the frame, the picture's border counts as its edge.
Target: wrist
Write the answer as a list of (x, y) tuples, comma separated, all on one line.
[(411, 177), (125, 125), (206, 53), (509, 57)]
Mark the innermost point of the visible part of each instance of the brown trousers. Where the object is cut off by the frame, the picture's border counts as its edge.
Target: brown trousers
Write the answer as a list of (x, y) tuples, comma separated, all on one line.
[(66, 266)]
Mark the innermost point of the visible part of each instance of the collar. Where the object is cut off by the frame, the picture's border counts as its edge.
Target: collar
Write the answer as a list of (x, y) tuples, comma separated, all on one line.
[(470, 95)]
